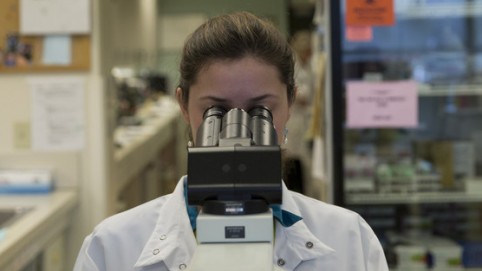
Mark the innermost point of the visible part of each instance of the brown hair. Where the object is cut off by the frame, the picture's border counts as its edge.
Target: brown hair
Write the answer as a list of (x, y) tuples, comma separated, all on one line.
[(233, 36)]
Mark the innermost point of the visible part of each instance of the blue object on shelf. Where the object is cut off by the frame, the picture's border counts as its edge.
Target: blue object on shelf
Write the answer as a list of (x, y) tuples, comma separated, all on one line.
[(25, 181), (472, 254)]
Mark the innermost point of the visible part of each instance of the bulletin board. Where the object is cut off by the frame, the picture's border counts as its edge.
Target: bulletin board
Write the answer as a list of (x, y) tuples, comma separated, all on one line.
[(24, 53)]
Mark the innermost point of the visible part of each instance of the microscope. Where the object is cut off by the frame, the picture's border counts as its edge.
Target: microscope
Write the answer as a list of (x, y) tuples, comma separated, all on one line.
[(234, 175)]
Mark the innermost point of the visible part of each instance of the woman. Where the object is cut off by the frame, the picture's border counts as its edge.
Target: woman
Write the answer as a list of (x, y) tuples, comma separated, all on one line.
[(234, 61)]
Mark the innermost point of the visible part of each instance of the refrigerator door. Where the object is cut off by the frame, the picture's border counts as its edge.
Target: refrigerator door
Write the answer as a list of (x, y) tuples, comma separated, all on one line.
[(406, 92)]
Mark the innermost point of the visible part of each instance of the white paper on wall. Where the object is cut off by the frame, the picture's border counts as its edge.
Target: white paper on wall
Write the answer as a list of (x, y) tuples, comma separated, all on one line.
[(57, 113), (54, 17)]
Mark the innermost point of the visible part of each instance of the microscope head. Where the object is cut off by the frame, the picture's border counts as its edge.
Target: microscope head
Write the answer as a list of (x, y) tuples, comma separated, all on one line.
[(235, 165)]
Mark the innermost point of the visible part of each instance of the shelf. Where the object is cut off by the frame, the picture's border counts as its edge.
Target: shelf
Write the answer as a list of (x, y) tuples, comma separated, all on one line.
[(413, 198), (440, 10), (50, 217), (142, 143), (43, 69), (453, 90), (472, 193)]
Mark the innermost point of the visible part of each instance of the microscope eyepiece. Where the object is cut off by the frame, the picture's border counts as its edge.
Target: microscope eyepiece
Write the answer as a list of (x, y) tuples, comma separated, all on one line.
[(261, 126), (261, 112), (216, 111), (208, 132), (236, 126)]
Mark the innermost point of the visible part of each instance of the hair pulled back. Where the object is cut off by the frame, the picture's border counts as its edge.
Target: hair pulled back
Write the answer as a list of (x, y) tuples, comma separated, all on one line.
[(233, 36)]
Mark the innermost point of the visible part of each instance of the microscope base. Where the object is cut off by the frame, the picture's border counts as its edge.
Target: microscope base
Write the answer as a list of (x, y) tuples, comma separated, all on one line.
[(233, 257), (234, 243)]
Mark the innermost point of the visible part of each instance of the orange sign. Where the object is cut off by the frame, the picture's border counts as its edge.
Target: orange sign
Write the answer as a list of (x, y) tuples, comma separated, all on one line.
[(370, 12)]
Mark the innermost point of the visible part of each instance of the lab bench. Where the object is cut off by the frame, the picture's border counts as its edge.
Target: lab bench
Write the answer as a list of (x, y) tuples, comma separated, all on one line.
[(36, 236)]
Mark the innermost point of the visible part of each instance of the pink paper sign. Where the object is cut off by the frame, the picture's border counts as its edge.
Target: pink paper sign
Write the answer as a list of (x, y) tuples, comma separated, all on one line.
[(359, 33), (382, 104)]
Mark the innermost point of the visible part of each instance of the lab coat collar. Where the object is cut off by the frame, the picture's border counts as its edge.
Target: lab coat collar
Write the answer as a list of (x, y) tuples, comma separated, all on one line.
[(297, 243), (174, 243)]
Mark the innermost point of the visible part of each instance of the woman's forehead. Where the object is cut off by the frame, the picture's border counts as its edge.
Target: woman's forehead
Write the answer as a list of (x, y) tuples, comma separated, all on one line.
[(249, 68)]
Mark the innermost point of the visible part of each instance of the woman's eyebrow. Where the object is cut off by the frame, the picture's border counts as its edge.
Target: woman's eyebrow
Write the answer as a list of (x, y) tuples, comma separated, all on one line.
[(213, 98), (223, 100), (262, 97)]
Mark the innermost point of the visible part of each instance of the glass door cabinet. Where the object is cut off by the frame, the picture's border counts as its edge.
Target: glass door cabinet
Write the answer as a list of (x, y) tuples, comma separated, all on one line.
[(417, 182)]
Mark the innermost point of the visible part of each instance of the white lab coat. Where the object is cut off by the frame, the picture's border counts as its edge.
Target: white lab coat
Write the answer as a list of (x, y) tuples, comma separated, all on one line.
[(158, 236)]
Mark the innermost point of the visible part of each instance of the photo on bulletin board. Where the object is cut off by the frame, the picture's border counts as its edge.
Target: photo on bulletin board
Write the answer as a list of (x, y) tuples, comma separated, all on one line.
[(17, 52), (20, 52)]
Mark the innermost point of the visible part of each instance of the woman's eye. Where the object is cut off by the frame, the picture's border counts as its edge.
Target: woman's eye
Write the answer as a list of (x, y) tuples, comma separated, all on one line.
[(257, 106), (218, 108), (222, 107)]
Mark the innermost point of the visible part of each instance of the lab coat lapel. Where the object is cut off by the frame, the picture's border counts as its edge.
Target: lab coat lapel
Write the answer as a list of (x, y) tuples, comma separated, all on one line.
[(297, 243), (172, 241)]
